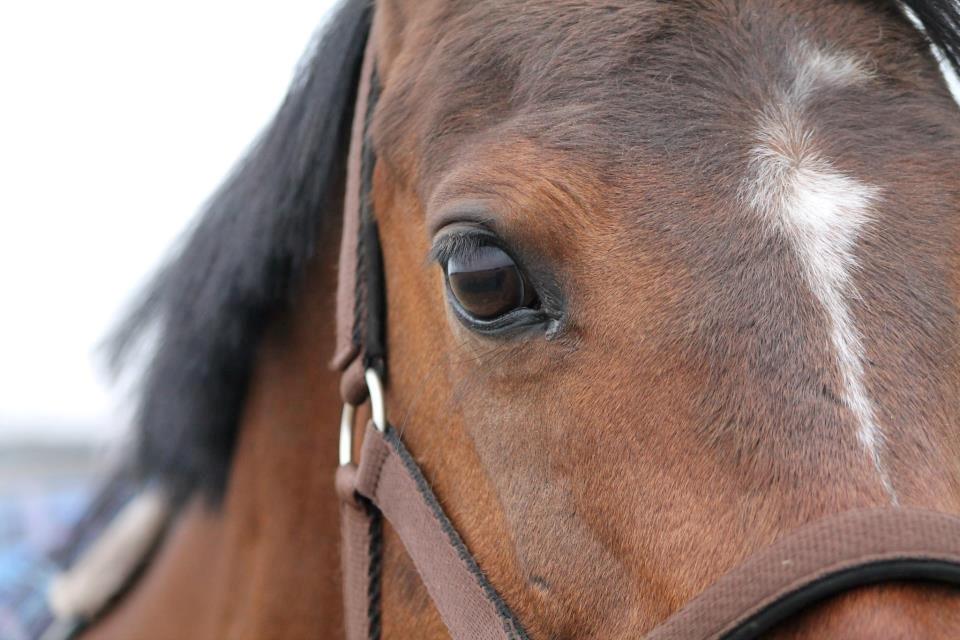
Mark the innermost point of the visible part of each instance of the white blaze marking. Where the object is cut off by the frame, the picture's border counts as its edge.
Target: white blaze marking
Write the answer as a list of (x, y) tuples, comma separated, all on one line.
[(817, 69), (822, 211)]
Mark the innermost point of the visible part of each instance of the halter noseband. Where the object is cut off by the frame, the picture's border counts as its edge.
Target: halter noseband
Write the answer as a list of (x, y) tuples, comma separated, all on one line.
[(812, 563)]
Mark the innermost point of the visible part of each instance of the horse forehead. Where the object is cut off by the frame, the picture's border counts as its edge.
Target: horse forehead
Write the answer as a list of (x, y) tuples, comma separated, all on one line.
[(610, 78)]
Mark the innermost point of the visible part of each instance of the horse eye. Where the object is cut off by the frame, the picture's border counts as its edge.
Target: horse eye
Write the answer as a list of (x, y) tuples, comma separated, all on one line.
[(487, 283)]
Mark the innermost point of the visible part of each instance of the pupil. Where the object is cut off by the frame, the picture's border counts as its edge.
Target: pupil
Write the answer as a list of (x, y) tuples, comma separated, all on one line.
[(487, 283)]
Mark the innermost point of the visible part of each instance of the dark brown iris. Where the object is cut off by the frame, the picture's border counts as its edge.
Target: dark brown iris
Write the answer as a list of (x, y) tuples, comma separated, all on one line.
[(487, 283)]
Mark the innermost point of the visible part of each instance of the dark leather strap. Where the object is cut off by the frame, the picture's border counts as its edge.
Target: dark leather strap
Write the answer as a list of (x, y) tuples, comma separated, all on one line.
[(814, 562), (389, 478)]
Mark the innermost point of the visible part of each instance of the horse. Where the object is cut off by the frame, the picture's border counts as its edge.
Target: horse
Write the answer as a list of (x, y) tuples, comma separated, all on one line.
[(662, 283)]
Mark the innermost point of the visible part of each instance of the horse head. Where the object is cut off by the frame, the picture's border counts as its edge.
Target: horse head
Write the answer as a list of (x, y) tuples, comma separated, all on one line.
[(663, 282)]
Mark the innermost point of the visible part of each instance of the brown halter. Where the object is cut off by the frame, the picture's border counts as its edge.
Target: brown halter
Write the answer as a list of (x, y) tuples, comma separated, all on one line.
[(812, 563)]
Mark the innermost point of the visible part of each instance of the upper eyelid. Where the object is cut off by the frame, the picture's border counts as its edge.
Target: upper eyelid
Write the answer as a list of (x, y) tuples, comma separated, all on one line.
[(472, 212)]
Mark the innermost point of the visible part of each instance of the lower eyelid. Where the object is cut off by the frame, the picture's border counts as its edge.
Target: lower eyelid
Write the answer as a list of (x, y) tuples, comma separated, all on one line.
[(514, 321)]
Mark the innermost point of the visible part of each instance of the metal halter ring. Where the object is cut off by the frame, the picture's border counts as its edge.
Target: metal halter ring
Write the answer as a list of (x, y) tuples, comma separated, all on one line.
[(378, 409)]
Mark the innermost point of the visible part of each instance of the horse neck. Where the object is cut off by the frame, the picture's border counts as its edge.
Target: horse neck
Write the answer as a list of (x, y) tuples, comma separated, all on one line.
[(265, 563)]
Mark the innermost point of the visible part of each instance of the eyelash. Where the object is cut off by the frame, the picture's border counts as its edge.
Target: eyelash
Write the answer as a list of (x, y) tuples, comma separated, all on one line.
[(463, 245)]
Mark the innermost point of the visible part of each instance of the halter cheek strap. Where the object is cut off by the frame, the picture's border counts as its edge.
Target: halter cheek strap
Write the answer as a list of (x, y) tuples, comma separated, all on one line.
[(360, 312), (388, 483), (815, 562)]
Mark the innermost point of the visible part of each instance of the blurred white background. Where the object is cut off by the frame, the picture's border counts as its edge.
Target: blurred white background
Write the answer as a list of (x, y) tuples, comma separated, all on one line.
[(117, 120)]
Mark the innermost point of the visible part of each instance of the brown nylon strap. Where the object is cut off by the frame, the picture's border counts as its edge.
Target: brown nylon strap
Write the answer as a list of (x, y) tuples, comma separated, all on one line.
[(846, 541), (357, 548), (390, 479), (347, 355)]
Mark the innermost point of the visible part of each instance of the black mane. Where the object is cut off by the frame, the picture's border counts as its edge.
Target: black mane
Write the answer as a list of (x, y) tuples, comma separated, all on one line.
[(941, 23), (206, 311), (203, 314)]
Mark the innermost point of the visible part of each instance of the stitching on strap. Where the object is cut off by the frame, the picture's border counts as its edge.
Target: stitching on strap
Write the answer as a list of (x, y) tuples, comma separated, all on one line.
[(374, 570)]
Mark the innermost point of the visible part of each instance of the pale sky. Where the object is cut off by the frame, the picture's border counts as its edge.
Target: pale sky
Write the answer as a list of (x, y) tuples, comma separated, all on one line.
[(117, 120)]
